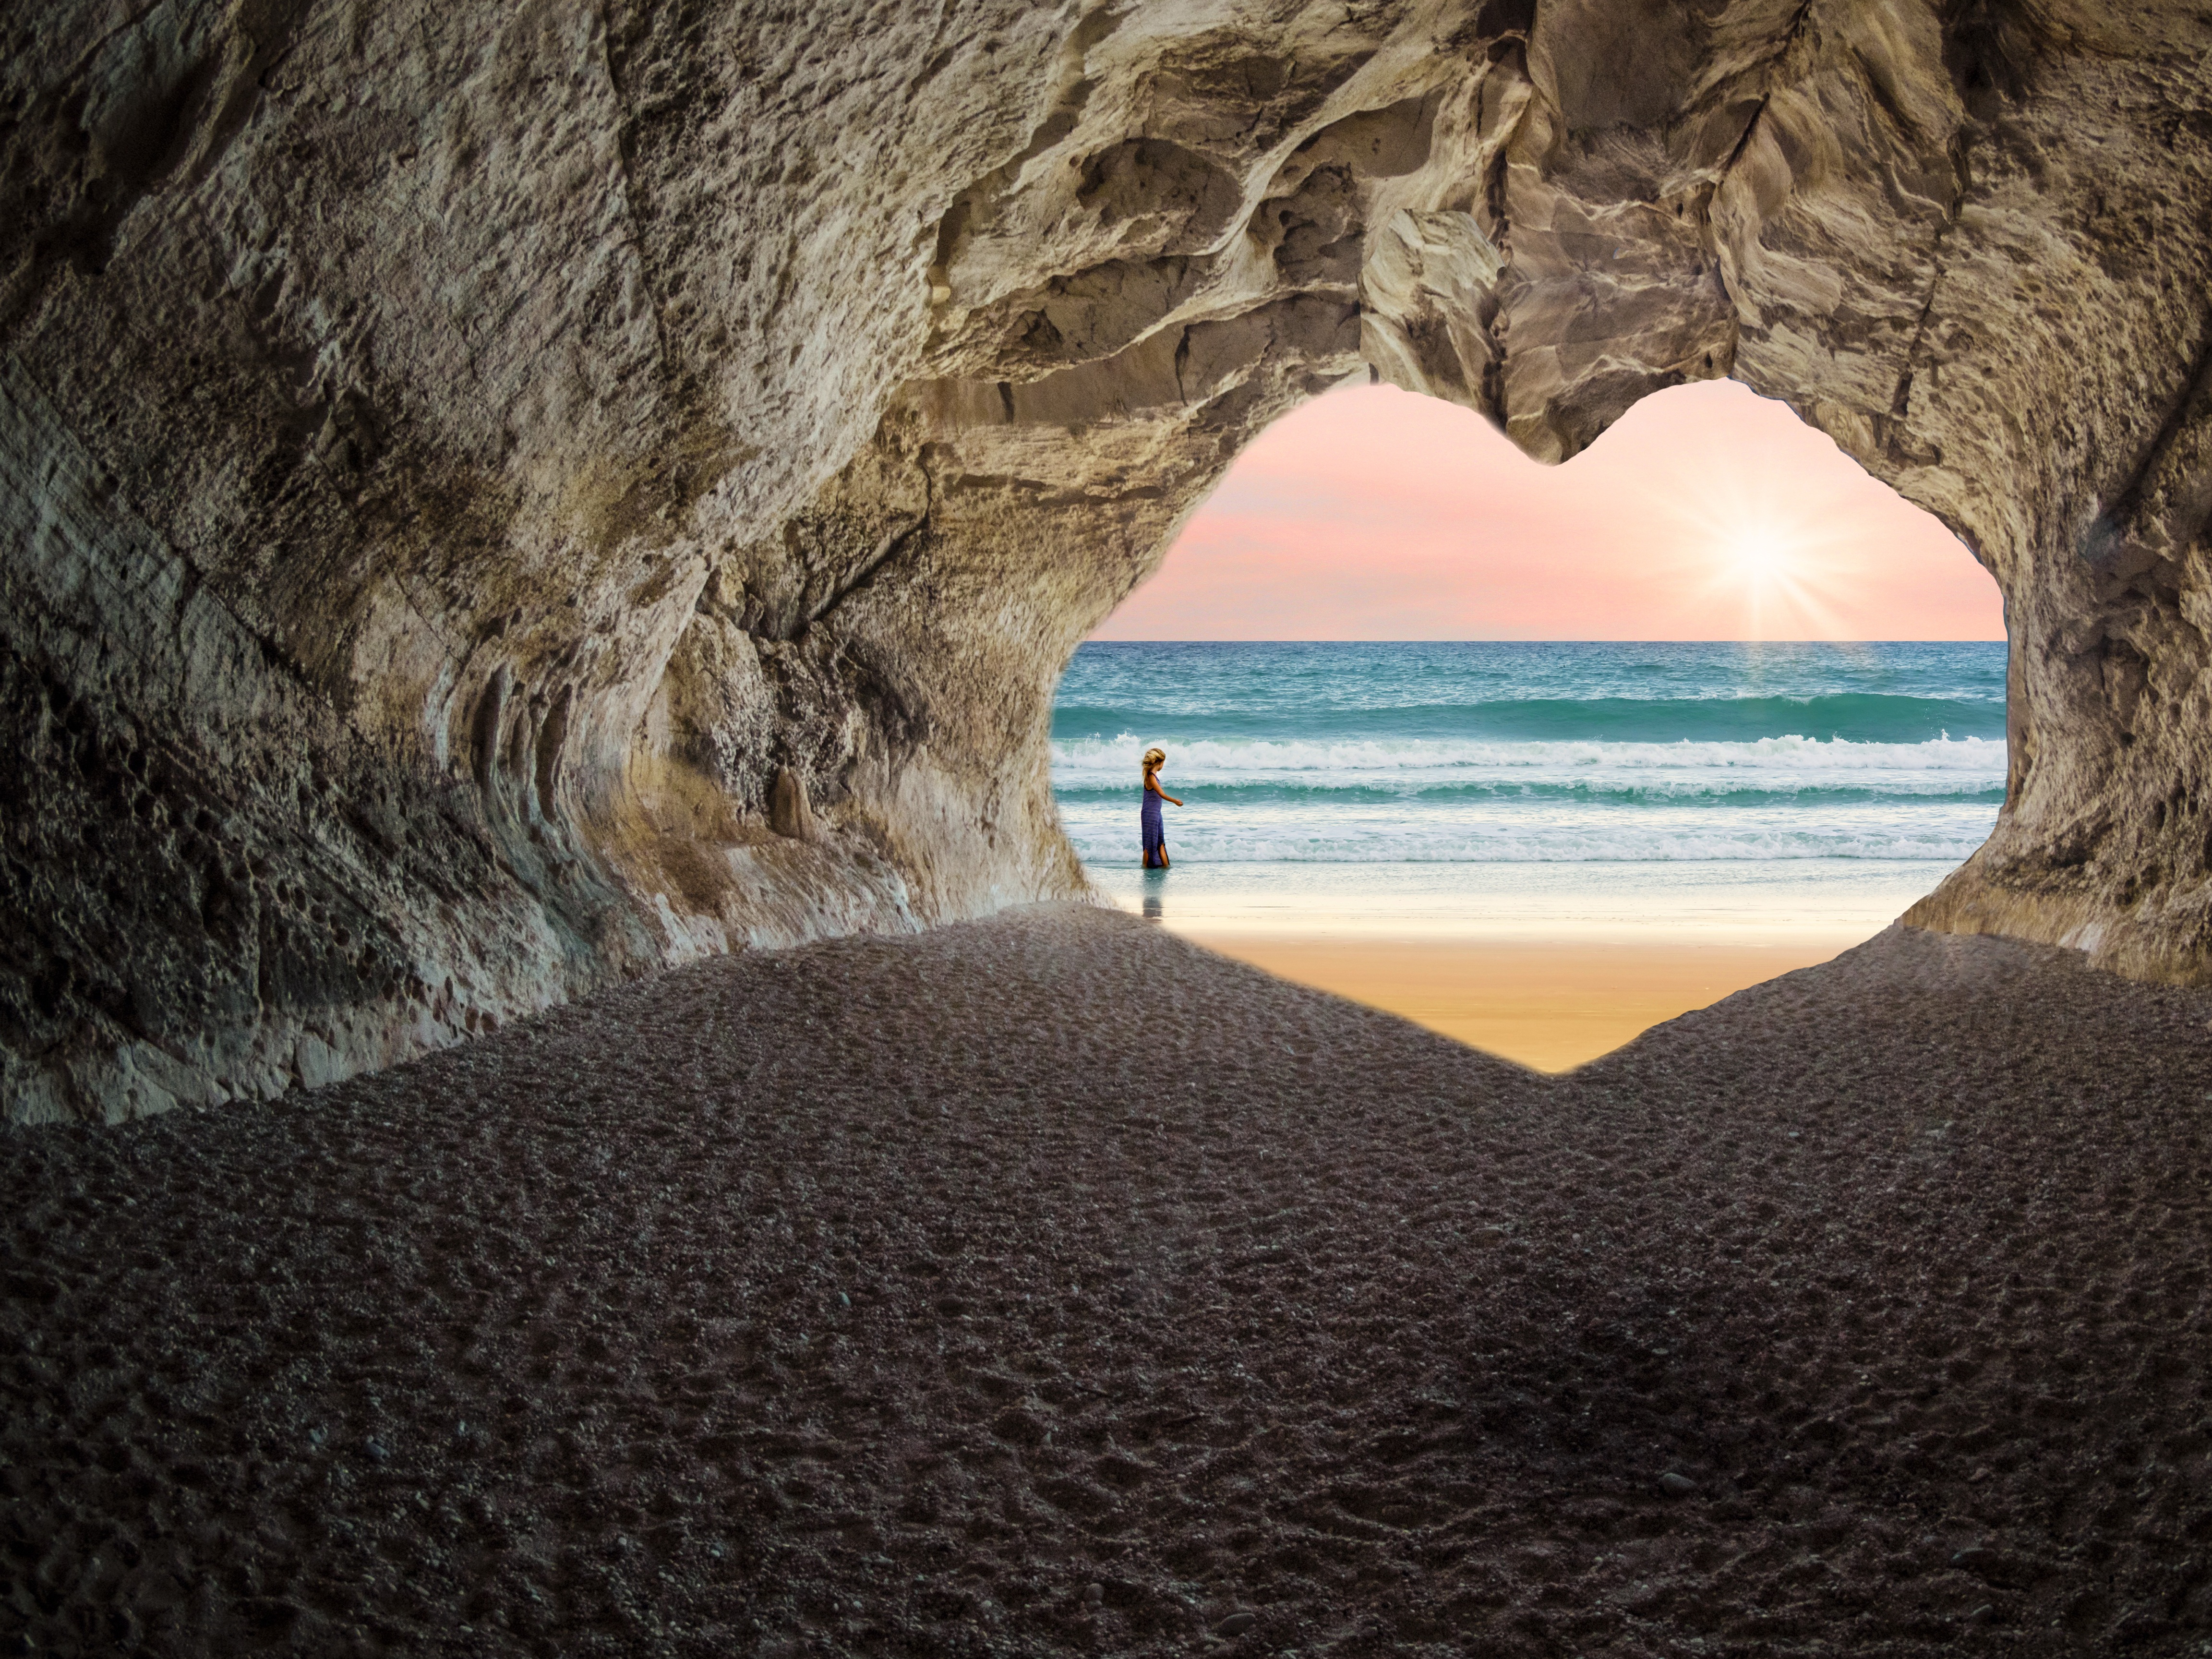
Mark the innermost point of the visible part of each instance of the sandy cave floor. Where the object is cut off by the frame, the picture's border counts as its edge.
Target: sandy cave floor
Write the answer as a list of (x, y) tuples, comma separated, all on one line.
[(886, 1295)]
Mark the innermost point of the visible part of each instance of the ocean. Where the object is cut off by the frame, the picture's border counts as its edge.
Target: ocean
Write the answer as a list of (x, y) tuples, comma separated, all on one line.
[(1527, 788)]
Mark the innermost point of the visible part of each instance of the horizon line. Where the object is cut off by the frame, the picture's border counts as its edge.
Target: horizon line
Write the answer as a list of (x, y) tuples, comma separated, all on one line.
[(1439, 639)]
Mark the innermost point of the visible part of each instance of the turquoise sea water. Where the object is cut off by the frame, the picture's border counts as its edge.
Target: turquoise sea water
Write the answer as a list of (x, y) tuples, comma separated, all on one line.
[(1477, 780)]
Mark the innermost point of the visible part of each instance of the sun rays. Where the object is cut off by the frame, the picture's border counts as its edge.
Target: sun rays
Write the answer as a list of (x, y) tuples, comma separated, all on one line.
[(1780, 580), (1772, 561)]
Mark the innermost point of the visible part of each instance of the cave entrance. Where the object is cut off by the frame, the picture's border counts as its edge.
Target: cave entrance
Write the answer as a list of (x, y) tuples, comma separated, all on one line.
[(1539, 756)]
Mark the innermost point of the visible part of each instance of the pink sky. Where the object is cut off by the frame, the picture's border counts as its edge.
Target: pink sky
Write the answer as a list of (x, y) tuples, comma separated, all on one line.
[(1705, 513)]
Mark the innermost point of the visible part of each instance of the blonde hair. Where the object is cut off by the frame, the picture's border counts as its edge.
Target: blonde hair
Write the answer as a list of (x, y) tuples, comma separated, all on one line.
[(1155, 758)]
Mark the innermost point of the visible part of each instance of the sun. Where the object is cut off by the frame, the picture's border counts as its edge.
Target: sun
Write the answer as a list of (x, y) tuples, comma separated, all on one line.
[(1773, 571), (1758, 556), (1762, 565)]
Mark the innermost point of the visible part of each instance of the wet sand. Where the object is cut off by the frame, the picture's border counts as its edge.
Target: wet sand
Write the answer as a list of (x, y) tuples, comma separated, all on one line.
[(1050, 1285), (1549, 1006)]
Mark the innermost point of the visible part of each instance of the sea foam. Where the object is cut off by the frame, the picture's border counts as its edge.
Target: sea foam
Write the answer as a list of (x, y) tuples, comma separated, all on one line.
[(1362, 754)]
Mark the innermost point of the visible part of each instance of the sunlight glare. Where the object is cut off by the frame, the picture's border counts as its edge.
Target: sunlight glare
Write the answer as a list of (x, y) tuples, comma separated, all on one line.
[(1760, 553), (1775, 555)]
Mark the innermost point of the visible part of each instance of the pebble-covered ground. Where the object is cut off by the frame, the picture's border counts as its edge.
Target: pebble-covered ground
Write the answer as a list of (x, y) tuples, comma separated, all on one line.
[(1050, 1285)]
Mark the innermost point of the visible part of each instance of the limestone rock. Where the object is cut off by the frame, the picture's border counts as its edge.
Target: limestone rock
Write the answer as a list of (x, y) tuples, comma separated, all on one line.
[(455, 460)]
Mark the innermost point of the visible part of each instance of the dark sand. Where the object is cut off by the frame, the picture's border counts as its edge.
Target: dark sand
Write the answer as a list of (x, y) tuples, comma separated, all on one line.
[(881, 1298)]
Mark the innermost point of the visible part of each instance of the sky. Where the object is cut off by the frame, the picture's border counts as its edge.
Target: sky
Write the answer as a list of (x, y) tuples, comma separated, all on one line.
[(1705, 513)]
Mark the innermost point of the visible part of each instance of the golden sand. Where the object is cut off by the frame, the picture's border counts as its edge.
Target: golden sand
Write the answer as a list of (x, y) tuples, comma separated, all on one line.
[(1549, 1006)]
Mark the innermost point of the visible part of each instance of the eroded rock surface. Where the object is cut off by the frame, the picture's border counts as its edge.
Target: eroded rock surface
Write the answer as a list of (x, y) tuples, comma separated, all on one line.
[(461, 468)]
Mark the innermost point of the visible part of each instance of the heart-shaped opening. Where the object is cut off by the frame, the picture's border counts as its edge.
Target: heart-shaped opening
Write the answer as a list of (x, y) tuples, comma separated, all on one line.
[(1540, 757)]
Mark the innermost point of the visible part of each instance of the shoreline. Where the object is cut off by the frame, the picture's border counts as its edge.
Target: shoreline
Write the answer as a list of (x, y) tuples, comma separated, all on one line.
[(1719, 901)]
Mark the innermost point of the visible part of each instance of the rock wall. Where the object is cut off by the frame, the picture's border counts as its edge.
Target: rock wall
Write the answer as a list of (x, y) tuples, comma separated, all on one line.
[(497, 498)]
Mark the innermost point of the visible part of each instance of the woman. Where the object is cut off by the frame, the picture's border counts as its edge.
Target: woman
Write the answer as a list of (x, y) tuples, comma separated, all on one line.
[(1156, 839)]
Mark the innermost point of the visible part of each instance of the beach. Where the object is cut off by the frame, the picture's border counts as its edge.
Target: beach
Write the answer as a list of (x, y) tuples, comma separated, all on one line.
[(1547, 965), (1539, 849), (1551, 1007), (1048, 1285)]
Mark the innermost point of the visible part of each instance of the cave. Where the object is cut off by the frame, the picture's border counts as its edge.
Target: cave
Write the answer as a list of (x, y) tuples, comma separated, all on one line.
[(499, 502)]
